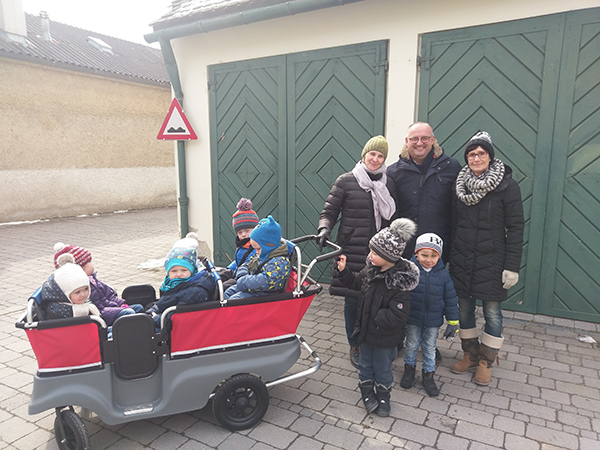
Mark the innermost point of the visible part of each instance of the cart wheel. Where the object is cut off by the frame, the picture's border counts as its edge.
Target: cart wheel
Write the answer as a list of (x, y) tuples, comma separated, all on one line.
[(76, 435), (240, 402)]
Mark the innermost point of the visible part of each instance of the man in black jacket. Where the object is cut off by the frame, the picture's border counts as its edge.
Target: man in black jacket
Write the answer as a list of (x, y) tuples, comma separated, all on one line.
[(424, 176)]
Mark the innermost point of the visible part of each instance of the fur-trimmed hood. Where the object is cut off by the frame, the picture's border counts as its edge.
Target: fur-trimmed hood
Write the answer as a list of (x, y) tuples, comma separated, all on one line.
[(403, 276), (437, 150)]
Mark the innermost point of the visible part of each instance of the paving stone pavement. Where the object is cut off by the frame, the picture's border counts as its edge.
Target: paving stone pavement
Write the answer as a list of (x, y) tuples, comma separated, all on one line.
[(545, 394)]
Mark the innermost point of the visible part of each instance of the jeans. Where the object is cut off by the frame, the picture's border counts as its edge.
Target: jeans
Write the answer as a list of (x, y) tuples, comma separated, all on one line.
[(375, 363), (133, 309), (350, 307), (426, 338), (492, 313), (232, 292)]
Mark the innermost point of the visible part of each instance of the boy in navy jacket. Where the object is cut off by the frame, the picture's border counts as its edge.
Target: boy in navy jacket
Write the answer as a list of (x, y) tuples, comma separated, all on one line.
[(430, 301)]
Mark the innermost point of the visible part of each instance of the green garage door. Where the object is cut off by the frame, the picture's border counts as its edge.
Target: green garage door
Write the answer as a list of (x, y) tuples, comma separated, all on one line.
[(534, 85), (284, 128)]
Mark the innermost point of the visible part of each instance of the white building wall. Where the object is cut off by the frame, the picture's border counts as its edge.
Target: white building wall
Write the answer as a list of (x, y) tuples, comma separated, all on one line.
[(400, 22)]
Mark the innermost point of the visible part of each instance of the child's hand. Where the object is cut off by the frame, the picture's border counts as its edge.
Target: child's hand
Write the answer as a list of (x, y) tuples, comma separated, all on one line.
[(451, 330), (341, 263)]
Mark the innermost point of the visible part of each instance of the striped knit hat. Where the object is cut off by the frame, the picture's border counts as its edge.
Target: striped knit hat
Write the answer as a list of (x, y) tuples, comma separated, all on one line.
[(244, 217), (81, 255)]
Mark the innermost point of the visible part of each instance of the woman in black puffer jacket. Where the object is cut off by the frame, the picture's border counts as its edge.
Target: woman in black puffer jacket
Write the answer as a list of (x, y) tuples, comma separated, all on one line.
[(365, 198), (486, 252)]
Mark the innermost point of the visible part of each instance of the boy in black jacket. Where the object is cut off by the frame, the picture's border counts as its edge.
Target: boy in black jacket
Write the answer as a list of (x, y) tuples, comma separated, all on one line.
[(383, 309)]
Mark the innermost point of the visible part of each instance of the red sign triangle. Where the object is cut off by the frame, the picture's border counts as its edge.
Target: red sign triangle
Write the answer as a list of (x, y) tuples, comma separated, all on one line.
[(176, 125)]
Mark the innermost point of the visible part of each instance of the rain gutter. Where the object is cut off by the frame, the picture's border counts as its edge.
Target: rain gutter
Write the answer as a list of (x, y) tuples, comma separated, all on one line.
[(164, 36)]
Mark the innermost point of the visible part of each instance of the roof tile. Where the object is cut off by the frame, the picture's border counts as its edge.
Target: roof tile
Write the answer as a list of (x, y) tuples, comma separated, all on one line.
[(70, 47)]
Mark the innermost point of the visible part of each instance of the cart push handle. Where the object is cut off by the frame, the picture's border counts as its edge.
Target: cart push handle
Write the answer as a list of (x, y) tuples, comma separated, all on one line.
[(337, 251)]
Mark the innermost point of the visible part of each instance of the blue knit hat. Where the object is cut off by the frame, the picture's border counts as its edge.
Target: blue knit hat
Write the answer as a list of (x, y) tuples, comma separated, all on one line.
[(268, 235), (182, 256)]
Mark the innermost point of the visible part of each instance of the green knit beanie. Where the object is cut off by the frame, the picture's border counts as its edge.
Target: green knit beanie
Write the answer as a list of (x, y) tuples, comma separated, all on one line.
[(378, 143)]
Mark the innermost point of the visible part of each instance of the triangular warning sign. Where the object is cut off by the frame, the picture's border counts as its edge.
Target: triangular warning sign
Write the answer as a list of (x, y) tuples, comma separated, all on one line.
[(176, 126)]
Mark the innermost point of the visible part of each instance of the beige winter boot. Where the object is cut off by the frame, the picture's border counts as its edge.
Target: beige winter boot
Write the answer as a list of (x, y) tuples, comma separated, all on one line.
[(488, 352), (469, 341)]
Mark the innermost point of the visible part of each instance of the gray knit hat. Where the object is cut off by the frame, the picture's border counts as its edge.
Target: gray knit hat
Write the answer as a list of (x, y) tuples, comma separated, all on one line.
[(390, 242), (481, 139), (430, 240)]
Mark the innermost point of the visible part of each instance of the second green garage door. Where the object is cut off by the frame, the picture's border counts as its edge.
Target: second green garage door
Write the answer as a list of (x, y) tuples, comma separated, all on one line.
[(534, 84)]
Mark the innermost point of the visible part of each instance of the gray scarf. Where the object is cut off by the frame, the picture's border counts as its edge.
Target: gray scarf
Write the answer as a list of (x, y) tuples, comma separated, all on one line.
[(470, 188), (383, 203)]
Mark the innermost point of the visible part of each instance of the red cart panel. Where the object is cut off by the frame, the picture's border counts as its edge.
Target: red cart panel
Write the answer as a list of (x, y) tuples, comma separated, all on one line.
[(66, 348), (236, 324)]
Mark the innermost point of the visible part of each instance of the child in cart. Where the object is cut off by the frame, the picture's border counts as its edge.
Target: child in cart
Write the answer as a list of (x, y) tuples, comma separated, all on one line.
[(66, 293), (243, 221), (383, 309), (268, 270), (183, 284), (104, 297)]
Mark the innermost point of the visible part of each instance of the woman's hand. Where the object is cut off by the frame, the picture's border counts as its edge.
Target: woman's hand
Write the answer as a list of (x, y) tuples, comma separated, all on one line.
[(341, 263)]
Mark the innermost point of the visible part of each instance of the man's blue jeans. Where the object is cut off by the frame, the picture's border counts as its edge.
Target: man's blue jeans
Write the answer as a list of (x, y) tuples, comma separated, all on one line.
[(375, 363), (492, 313), (426, 338)]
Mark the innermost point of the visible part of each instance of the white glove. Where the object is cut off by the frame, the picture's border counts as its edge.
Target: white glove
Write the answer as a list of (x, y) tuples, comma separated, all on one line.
[(509, 278)]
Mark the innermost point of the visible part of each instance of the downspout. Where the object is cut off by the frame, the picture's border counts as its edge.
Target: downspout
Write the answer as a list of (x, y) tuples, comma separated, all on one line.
[(173, 71), (165, 35)]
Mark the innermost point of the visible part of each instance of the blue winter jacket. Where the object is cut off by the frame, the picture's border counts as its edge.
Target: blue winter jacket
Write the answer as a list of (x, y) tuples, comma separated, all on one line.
[(241, 255), (433, 298), (199, 289), (271, 277)]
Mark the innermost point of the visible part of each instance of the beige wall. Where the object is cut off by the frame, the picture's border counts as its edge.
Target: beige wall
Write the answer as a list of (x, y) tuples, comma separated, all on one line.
[(400, 22), (77, 143)]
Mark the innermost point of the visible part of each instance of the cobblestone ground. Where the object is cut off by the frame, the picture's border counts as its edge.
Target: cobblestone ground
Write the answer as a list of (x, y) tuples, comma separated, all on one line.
[(545, 394)]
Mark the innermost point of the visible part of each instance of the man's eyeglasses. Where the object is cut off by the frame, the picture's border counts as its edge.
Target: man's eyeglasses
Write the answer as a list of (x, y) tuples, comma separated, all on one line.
[(424, 139), (472, 156)]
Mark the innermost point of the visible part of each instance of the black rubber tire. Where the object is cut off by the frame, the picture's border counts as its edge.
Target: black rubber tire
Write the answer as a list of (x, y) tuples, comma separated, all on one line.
[(240, 402), (76, 434)]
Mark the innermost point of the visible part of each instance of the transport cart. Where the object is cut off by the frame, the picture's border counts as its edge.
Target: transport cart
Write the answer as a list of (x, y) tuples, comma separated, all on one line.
[(227, 351)]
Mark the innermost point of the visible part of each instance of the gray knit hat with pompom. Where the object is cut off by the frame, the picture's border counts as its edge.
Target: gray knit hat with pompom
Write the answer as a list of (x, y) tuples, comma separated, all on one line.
[(390, 242)]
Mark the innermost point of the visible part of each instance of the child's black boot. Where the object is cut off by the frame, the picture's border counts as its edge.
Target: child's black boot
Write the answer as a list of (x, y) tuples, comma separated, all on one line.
[(408, 377), (368, 395), (383, 397), (429, 384)]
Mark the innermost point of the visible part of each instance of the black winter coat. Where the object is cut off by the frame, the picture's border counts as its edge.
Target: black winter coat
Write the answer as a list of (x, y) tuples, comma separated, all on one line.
[(426, 198), (384, 303), (487, 239), (357, 224)]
